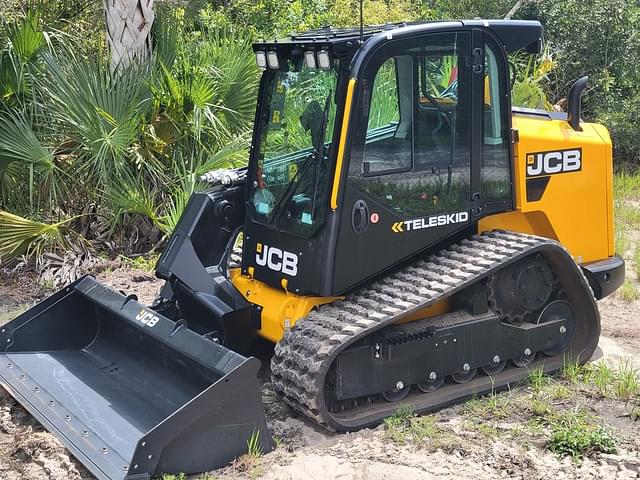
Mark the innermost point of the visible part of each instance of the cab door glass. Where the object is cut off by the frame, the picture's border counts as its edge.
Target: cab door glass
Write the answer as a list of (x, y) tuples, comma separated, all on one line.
[(495, 173), (415, 159), (388, 142)]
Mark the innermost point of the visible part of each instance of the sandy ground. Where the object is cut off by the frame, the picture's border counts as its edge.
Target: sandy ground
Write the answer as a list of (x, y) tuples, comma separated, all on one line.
[(304, 452)]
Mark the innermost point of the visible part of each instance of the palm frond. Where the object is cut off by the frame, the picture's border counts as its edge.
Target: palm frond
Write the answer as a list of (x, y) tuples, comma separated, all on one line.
[(234, 154), (177, 203), (21, 236), (26, 37), (22, 153), (166, 31), (130, 195), (18, 142)]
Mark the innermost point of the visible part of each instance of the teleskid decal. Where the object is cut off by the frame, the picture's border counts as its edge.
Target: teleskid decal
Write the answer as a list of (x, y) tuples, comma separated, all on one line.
[(557, 161), (430, 222)]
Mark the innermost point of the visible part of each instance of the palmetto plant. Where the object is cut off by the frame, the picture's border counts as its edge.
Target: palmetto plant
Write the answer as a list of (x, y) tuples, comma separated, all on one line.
[(124, 147), (209, 88), (22, 40), (100, 112)]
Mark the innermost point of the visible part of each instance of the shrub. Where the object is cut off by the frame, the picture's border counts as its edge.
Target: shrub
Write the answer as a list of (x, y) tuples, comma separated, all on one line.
[(574, 436)]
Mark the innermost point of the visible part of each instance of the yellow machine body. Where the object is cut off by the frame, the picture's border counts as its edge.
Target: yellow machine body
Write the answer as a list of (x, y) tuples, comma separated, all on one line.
[(582, 223)]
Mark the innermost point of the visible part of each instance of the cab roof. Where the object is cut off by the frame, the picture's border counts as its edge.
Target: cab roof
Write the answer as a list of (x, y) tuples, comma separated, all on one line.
[(515, 35)]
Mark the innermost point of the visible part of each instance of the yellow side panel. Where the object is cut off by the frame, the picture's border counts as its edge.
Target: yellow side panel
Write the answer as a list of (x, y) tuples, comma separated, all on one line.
[(280, 309), (438, 308), (576, 207)]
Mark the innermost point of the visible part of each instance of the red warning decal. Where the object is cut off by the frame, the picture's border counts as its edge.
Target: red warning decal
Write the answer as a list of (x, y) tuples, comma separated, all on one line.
[(375, 218)]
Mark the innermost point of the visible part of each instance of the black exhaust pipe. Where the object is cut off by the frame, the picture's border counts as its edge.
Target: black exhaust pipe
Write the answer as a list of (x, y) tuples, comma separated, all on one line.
[(574, 105)]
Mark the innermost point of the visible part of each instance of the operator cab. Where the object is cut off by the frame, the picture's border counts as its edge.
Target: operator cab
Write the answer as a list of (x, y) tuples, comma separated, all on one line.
[(369, 150)]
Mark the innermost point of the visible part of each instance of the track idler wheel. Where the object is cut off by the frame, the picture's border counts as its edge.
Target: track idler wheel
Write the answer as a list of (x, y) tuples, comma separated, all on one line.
[(556, 310), (432, 384), (466, 375), (399, 393)]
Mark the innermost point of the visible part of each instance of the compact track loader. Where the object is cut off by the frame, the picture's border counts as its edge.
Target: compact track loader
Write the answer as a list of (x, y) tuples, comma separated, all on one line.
[(401, 234)]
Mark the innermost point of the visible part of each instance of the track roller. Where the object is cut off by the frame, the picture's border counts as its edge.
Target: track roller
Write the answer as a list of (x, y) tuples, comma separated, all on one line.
[(465, 376), (432, 384), (399, 393)]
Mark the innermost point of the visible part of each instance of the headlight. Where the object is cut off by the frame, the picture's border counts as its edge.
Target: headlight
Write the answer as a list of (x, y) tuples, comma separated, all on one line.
[(310, 59), (272, 60), (324, 61), (261, 59)]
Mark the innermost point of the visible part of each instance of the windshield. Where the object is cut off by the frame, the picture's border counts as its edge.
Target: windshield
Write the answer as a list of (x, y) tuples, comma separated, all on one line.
[(292, 171)]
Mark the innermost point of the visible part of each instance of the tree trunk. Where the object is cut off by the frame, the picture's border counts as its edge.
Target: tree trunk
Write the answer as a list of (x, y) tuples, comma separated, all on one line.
[(517, 6), (129, 25)]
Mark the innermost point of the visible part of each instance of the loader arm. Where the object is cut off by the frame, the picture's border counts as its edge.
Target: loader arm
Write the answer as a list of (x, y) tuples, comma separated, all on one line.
[(194, 264)]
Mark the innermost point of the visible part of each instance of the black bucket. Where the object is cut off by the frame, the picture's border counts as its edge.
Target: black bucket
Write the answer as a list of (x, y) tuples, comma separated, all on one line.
[(129, 392)]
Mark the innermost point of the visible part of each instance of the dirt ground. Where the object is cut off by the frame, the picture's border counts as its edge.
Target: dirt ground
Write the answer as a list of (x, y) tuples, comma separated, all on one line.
[(487, 448)]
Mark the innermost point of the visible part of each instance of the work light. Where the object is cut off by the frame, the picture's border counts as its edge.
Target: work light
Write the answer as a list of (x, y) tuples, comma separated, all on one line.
[(310, 59), (261, 59), (272, 60), (324, 62)]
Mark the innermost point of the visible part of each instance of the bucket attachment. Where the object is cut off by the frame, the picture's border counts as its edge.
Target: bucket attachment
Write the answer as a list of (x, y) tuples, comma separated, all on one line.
[(129, 392)]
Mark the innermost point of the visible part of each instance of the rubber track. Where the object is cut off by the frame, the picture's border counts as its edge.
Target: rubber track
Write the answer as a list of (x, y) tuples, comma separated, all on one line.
[(305, 354)]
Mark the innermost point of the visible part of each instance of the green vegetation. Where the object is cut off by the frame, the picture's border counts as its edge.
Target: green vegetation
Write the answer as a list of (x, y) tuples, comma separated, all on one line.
[(538, 380), (179, 476), (493, 406), (254, 448), (21, 236), (626, 382), (142, 262), (620, 383), (532, 77), (573, 435), (626, 191), (605, 47), (552, 410), (397, 424), (629, 291), (121, 152), (403, 427), (249, 463), (550, 413)]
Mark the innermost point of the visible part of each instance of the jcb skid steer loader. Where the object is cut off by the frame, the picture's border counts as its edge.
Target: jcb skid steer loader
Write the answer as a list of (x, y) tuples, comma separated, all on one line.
[(401, 233)]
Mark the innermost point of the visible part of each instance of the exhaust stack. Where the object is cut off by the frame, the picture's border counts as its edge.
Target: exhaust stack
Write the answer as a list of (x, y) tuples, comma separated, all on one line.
[(574, 103)]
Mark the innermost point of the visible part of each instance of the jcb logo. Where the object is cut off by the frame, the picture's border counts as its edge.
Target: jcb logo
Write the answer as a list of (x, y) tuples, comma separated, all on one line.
[(276, 259), (147, 318), (550, 163)]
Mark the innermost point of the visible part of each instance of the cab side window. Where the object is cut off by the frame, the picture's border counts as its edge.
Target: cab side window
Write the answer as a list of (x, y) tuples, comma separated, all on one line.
[(413, 156), (388, 139), (495, 172)]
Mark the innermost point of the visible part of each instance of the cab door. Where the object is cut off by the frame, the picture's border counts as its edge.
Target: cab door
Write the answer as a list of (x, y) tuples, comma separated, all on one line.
[(409, 182), (492, 178)]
